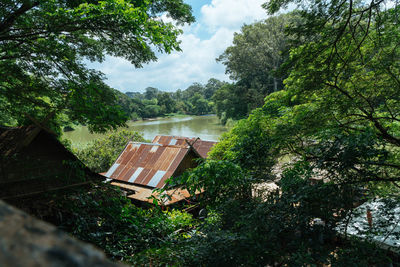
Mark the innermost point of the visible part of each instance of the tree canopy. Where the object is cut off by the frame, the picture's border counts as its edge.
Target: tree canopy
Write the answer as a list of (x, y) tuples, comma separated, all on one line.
[(340, 107), (197, 99), (254, 63), (330, 140), (343, 91), (44, 46), (257, 53)]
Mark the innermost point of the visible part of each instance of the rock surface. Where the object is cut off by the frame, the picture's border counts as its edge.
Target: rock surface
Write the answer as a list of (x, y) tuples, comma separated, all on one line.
[(26, 241)]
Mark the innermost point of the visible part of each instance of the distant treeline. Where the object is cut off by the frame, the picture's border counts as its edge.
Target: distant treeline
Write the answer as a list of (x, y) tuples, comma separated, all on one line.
[(254, 63), (197, 99)]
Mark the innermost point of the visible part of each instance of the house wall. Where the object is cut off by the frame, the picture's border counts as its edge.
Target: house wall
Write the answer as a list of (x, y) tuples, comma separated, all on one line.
[(188, 162)]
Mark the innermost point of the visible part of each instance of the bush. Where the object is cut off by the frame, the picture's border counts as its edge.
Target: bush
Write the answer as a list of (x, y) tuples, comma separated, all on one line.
[(100, 154), (107, 219)]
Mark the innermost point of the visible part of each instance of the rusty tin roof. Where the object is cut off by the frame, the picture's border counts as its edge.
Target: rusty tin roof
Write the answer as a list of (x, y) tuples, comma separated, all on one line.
[(201, 146), (147, 164)]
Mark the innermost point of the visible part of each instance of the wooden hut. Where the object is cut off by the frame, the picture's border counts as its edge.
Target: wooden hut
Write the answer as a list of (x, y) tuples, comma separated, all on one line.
[(33, 161)]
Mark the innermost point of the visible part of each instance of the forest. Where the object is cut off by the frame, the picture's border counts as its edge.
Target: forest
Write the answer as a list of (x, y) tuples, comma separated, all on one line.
[(197, 99), (315, 96)]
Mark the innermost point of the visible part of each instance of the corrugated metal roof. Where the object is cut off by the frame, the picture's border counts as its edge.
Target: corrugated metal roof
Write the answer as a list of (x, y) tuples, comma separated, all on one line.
[(147, 164), (202, 147)]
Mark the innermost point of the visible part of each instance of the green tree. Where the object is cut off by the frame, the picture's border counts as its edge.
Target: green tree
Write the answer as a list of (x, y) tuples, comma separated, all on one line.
[(192, 90), (182, 107), (167, 104), (134, 95), (254, 60), (337, 119), (231, 102), (151, 93), (137, 107), (340, 109), (100, 154), (177, 95), (199, 106), (211, 87), (125, 102), (151, 111), (342, 95), (43, 45)]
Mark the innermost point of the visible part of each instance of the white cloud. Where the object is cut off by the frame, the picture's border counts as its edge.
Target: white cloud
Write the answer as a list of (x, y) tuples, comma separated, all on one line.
[(232, 13), (201, 44), (174, 71)]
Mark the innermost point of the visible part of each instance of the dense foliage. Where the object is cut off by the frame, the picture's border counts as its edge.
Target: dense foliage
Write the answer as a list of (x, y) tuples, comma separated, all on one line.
[(194, 100), (101, 153), (110, 221), (254, 63), (43, 45), (330, 140)]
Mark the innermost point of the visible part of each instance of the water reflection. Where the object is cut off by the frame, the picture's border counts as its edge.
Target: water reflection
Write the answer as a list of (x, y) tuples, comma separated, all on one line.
[(205, 127)]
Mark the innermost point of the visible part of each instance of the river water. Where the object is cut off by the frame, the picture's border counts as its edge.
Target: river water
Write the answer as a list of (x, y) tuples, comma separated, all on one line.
[(205, 127)]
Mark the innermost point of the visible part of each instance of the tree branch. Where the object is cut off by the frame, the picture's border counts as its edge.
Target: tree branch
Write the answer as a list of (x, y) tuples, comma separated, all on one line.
[(8, 22)]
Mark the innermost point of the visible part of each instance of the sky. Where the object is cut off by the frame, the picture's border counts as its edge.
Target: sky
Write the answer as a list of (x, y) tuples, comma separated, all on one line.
[(201, 43)]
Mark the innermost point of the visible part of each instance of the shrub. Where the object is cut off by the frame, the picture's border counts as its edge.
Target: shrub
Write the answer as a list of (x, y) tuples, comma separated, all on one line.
[(100, 154)]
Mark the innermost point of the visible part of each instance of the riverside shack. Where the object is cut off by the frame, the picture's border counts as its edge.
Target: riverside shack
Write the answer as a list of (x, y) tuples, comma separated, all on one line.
[(33, 161), (143, 167)]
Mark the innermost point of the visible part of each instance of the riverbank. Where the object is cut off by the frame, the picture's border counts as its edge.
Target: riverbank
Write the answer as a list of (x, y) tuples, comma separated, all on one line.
[(205, 127), (172, 115)]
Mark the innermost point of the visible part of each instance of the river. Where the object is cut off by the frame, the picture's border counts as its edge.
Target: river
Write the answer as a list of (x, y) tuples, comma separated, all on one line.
[(205, 127)]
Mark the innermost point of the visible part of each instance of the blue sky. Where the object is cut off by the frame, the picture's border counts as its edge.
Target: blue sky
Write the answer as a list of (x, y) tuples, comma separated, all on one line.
[(202, 42)]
